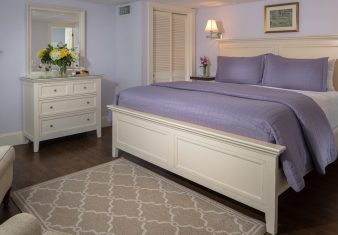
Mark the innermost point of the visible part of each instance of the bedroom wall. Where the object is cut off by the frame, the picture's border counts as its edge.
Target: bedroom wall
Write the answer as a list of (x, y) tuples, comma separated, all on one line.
[(246, 21), (100, 46), (131, 46)]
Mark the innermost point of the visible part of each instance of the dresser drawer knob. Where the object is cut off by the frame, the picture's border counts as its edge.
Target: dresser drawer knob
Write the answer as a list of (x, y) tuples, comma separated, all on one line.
[(51, 107), (55, 90), (88, 102), (51, 126), (85, 87), (88, 119)]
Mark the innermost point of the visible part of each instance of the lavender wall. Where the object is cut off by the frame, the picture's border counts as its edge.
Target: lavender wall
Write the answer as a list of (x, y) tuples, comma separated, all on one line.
[(131, 46), (100, 46), (246, 21)]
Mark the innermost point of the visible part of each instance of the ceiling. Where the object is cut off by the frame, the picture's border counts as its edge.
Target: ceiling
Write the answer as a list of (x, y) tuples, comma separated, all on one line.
[(183, 3)]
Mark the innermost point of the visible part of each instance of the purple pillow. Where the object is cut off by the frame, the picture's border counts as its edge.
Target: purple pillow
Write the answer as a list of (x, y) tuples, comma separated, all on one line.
[(247, 70), (298, 74)]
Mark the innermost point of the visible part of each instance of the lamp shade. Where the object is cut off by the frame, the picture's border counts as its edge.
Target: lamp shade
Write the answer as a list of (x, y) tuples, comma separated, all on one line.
[(211, 27)]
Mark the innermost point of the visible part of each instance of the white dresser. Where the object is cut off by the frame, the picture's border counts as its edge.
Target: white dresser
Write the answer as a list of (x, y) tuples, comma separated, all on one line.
[(58, 107)]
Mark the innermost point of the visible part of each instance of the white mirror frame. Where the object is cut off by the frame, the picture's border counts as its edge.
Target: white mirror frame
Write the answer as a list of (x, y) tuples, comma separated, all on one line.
[(82, 26)]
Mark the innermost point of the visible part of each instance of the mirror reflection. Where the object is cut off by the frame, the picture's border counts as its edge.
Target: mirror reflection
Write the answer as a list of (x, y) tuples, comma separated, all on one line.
[(54, 27), (62, 35)]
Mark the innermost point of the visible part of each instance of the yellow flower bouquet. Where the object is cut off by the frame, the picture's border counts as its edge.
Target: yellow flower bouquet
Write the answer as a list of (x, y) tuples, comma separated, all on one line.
[(59, 55)]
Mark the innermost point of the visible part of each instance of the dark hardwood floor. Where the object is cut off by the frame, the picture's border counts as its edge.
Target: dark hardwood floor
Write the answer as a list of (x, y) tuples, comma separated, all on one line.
[(312, 211)]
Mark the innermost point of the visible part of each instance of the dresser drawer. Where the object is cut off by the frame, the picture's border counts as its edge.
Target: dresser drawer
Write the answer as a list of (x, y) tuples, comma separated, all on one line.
[(53, 90), (84, 87), (67, 123), (69, 105)]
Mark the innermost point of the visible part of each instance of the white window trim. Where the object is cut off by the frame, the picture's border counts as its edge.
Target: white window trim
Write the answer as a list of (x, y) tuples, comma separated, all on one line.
[(190, 49)]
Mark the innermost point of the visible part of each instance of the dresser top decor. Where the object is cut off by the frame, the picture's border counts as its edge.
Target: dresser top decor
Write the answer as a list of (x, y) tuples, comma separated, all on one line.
[(60, 56)]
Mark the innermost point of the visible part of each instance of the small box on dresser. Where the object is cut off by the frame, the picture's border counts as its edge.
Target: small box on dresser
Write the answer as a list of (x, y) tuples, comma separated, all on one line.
[(56, 107), (201, 78)]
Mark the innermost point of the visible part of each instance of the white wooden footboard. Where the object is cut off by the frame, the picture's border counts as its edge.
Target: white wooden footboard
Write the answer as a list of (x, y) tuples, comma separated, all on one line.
[(241, 168)]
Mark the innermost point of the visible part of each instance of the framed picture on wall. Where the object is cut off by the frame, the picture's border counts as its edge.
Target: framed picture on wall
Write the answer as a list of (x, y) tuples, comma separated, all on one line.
[(281, 18)]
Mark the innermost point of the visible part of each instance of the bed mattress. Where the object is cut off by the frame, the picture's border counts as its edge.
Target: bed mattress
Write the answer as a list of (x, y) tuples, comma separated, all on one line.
[(327, 101)]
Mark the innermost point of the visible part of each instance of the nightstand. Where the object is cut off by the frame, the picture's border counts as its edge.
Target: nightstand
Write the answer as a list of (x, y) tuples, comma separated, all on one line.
[(202, 78)]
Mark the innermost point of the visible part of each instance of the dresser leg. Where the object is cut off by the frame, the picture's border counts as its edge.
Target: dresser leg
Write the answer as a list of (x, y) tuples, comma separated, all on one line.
[(98, 132), (36, 146), (115, 152)]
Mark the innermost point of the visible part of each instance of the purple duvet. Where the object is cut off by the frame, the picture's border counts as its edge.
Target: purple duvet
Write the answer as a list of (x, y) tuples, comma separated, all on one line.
[(277, 116)]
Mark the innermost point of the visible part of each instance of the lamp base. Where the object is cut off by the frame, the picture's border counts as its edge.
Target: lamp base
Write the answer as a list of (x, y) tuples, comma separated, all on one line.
[(215, 36)]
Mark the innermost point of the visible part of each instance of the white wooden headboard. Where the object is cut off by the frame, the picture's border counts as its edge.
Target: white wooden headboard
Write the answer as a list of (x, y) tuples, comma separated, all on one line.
[(300, 47)]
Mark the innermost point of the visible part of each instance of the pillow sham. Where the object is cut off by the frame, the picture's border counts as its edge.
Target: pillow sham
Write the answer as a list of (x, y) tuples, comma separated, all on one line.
[(243, 70), (330, 86), (297, 74)]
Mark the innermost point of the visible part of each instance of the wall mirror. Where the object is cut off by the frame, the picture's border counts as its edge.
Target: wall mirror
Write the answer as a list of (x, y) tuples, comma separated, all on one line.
[(53, 26)]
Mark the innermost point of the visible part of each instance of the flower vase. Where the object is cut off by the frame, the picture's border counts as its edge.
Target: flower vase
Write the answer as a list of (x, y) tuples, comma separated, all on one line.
[(205, 71), (63, 70)]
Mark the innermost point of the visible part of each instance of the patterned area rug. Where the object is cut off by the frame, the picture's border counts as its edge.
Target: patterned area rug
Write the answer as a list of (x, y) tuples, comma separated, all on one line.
[(121, 197)]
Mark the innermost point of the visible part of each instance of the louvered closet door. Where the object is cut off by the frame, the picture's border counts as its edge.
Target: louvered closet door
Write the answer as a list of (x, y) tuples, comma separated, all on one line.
[(162, 46), (178, 47), (169, 48)]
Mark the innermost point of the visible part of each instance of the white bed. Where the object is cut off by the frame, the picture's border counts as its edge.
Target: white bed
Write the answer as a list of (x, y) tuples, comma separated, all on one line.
[(241, 168)]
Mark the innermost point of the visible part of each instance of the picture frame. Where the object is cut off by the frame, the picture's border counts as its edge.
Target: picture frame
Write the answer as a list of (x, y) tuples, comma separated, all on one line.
[(280, 18)]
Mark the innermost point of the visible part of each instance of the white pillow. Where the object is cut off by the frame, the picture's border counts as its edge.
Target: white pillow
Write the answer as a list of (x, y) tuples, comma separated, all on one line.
[(330, 67)]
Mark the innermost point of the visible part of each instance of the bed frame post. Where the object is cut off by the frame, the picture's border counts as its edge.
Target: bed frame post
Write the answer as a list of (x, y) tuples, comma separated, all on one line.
[(115, 150), (271, 193)]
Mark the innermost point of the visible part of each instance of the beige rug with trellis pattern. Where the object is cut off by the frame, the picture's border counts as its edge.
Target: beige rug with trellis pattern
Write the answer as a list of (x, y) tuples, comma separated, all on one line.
[(121, 197)]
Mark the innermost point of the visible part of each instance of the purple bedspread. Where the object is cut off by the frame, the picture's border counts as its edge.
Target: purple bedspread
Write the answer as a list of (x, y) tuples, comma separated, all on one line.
[(277, 116)]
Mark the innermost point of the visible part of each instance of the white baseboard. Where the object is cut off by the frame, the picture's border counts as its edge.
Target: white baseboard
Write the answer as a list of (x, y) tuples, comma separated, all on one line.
[(13, 138), (105, 122), (16, 138)]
